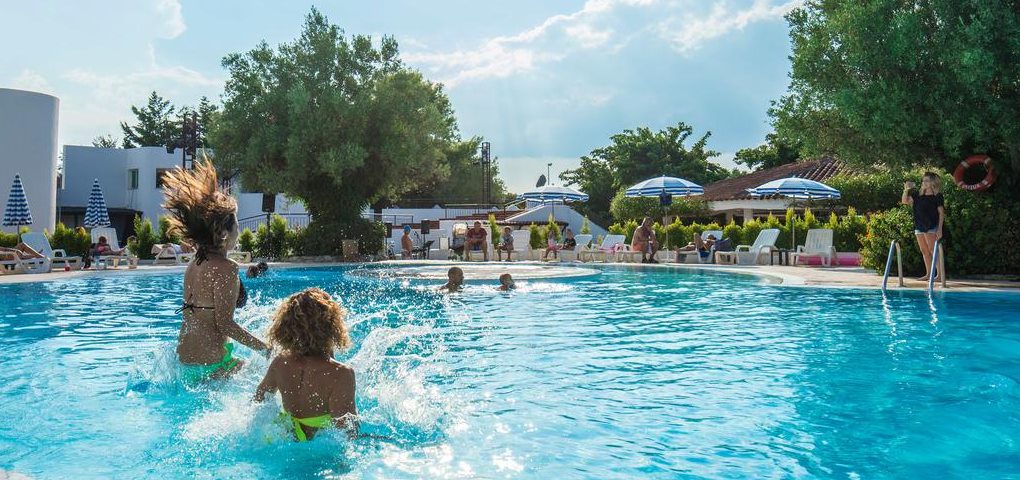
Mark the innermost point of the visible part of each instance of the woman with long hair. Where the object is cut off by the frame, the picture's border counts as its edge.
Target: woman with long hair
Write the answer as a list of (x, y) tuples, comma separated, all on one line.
[(206, 218), (929, 215)]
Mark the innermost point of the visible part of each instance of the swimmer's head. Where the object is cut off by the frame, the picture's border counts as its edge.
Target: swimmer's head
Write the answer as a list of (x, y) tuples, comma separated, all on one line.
[(309, 323), (200, 211), (506, 280), (455, 274)]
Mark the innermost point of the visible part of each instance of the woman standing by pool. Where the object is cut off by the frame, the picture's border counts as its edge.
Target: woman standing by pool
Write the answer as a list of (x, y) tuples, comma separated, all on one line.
[(929, 215), (207, 218)]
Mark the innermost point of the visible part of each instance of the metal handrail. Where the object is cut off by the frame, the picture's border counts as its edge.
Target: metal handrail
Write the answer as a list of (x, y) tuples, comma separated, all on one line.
[(888, 263), (940, 261)]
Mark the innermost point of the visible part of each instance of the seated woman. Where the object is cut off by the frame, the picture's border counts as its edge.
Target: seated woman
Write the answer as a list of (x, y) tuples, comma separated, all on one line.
[(316, 390), (172, 248), (569, 243), (206, 217), (702, 247), (550, 244)]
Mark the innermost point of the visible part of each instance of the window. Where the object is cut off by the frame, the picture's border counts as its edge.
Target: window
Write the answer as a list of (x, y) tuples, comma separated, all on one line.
[(133, 179), (160, 173)]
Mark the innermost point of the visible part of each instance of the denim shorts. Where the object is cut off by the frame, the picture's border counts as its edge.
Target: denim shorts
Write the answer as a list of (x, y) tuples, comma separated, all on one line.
[(918, 232)]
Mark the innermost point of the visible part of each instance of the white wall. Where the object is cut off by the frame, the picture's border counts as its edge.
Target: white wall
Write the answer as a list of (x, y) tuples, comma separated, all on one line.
[(562, 213), (112, 165), (28, 146)]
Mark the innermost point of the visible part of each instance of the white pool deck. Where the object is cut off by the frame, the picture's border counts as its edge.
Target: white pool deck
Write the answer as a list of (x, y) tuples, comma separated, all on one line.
[(846, 277)]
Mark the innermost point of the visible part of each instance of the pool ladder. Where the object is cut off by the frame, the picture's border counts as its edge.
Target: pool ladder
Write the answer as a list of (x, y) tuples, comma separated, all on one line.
[(938, 262)]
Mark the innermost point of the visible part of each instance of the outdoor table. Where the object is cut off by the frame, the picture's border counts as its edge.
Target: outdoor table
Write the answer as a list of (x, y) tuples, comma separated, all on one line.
[(782, 253)]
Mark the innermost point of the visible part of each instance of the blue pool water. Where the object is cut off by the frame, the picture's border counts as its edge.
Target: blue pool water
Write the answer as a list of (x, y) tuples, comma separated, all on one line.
[(623, 374)]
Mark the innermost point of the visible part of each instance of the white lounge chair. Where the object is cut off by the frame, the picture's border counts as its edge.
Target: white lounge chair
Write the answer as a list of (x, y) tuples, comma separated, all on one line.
[(522, 244), (610, 244), (111, 238), (41, 244), (695, 256), (170, 253), (751, 254), (817, 244), (10, 263), (468, 253), (239, 256), (582, 240)]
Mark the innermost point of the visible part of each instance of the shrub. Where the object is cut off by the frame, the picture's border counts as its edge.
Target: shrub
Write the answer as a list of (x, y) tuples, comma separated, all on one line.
[(73, 241), (733, 232), (246, 241), (624, 208), (144, 239), (164, 232), (9, 240), (847, 235), (751, 229), (872, 192), (536, 237), (585, 227), (551, 229), (883, 227), (271, 241), (494, 230), (325, 238)]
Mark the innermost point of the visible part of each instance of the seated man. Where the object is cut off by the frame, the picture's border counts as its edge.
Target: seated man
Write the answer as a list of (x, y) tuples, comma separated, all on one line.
[(506, 244), (476, 238), (644, 241), (702, 247), (21, 251)]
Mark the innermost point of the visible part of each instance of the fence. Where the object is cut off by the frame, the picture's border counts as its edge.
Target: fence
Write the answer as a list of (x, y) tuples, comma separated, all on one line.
[(294, 220)]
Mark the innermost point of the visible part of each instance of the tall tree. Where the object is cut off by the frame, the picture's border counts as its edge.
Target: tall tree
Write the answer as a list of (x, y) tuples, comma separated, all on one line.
[(775, 152), (155, 124), (332, 120), (104, 141), (905, 83), (640, 154), (464, 184)]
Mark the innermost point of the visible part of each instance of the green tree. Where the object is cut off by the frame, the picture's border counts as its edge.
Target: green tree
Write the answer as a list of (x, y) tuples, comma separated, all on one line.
[(905, 83), (464, 184), (154, 124), (775, 152), (332, 120), (104, 141), (640, 154)]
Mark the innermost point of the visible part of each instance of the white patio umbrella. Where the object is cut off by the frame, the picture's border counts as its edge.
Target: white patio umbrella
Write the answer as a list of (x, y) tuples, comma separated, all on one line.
[(799, 188), (554, 193), (658, 186), (96, 213), (17, 214)]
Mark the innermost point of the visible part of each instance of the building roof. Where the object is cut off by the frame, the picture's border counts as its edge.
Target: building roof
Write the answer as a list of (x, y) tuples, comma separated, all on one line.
[(818, 169)]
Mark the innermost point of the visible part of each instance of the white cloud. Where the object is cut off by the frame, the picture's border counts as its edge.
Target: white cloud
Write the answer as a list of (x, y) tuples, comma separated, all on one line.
[(689, 32), (687, 26), (173, 20), (32, 81)]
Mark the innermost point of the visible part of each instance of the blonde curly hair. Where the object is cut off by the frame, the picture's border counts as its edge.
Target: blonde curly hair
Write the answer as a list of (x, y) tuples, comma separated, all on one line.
[(200, 212), (309, 323)]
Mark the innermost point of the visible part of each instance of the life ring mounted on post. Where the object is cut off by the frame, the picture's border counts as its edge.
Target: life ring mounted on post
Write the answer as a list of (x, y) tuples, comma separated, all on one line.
[(972, 161)]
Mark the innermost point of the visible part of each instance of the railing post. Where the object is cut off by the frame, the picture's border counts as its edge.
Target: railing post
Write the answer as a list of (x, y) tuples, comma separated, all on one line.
[(937, 265), (899, 262)]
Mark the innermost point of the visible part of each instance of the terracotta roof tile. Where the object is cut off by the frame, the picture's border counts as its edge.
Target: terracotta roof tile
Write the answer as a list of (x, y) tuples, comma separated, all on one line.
[(818, 169)]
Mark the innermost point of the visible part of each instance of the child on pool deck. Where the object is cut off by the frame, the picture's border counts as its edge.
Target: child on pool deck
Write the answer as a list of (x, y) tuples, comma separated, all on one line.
[(316, 390)]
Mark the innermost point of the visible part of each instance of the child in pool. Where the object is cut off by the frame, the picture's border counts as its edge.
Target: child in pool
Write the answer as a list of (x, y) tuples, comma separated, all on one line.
[(316, 390), (506, 283), (455, 280)]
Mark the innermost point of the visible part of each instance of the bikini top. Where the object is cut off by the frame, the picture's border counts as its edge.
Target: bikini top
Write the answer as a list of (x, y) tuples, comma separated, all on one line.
[(242, 300)]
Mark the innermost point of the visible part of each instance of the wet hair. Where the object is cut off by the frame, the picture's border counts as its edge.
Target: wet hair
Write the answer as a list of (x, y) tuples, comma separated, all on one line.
[(309, 323), (504, 277), (262, 266), (934, 181), (452, 270), (200, 212)]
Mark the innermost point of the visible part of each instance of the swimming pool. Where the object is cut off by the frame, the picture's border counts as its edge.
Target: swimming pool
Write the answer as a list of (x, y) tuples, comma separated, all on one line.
[(623, 374)]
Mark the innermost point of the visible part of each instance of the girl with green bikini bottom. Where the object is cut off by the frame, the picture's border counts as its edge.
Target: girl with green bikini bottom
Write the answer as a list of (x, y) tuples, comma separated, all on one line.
[(316, 390), (206, 218)]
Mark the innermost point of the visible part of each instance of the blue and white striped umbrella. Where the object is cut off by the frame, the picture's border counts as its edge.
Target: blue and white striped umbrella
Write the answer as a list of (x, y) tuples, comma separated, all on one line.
[(554, 193), (653, 187), (17, 213), (793, 187), (96, 214)]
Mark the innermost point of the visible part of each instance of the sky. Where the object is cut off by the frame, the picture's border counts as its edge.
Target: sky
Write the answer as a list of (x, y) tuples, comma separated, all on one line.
[(543, 81)]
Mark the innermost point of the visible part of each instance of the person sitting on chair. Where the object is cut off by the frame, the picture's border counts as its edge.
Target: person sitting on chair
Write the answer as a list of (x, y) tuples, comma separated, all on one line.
[(644, 241), (21, 251), (697, 245), (476, 238), (506, 244)]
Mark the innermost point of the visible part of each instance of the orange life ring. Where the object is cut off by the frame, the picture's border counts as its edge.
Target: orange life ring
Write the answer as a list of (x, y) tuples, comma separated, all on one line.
[(970, 162)]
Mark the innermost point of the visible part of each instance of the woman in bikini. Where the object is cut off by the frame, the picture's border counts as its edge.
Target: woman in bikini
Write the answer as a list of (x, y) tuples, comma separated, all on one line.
[(207, 219), (316, 390)]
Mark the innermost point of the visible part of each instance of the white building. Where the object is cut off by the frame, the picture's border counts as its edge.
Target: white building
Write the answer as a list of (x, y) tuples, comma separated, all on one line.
[(131, 183), (28, 146)]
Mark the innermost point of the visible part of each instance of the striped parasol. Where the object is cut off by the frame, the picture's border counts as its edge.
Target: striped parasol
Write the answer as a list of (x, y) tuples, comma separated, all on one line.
[(793, 187), (96, 214), (554, 193), (653, 187), (17, 213)]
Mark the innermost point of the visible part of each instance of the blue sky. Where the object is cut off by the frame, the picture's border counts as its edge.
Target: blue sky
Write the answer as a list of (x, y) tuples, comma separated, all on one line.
[(543, 81)]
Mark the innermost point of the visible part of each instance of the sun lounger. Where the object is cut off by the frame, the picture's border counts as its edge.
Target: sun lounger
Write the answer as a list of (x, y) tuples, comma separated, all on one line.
[(751, 254), (582, 246), (522, 244), (169, 253), (113, 261), (239, 256), (38, 242), (817, 244), (610, 245)]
